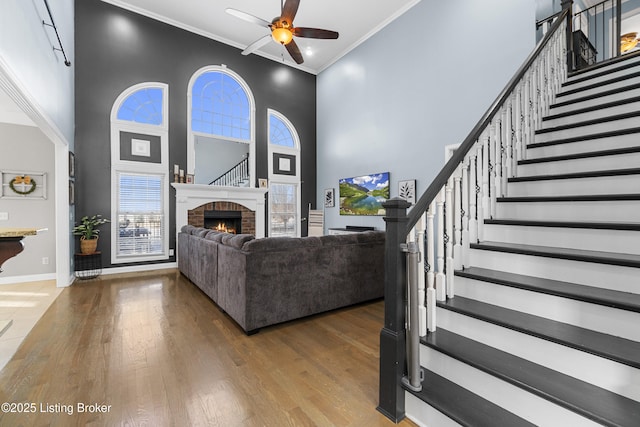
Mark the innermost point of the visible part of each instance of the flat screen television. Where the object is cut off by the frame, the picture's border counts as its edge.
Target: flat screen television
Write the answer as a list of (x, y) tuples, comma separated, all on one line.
[(364, 195)]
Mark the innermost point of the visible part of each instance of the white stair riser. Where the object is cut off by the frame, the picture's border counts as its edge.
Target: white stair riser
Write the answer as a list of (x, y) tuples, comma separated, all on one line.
[(592, 115), (587, 145), (621, 323), (619, 161), (591, 102), (588, 130), (599, 371), (622, 211), (606, 276), (613, 72), (622, 184), (620, 241), (598, 89), (424, 415), (535, 409)]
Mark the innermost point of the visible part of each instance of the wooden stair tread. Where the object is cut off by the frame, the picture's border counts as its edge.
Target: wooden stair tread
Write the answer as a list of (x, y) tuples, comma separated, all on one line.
[(614, 348), (567, 91), (581, 138), (586, 399), (607, 66), (572, 198), (463, 406), (560, 103), (592, 108), (627, 226), (583, 155), (591, 294), (577, 175), (589, 122), (601, 257)]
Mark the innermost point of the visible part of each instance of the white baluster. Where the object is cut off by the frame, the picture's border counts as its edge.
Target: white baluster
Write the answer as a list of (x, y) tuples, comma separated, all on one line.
[(431, 291), (480, 205), (465, 212), (519, 122), (486, 209), (492, 164), (448, 241), (422, 310), (527, 102), (440, 276), (473, 196), (457, 219)]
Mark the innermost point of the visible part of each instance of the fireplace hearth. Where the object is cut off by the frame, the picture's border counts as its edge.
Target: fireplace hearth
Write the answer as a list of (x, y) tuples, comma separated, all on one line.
[(227, 221)]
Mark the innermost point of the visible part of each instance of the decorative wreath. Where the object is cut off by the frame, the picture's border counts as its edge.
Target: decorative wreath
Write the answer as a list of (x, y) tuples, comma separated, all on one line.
[(26, 180)]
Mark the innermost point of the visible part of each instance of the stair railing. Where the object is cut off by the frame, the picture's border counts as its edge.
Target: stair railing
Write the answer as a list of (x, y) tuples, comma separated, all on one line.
[(596, 33), (450, 214), (234, 176)]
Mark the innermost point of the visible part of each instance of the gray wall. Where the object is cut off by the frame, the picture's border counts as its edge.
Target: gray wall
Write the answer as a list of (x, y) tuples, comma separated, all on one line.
[(25, 148), (215, 157), (420, 84), (116, 49)]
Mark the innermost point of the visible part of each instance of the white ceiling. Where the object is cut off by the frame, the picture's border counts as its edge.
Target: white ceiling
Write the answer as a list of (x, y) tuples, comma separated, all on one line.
[(355, 20)]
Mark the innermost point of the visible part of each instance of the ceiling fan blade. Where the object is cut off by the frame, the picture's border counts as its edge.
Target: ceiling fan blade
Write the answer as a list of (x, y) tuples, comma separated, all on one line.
[(294, 51), (289, 11), (248, 17), (257, 44), (314, 33)]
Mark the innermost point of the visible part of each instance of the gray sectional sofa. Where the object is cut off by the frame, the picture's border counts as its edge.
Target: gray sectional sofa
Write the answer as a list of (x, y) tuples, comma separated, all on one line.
[(261, 282)]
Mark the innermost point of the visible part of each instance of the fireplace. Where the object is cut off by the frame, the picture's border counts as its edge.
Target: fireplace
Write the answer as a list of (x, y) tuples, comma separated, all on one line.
[(228, 221)]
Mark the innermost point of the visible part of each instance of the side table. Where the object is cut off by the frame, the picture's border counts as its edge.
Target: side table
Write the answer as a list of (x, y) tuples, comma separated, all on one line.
[(88, 266)]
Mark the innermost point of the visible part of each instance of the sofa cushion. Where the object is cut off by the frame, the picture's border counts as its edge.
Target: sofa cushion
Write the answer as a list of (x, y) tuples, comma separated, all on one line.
[(280, 243), (216, 237), (237, 240)]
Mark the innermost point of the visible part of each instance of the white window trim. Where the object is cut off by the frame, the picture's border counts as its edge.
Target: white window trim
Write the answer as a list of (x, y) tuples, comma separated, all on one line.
[(285, 179), (162, 168), (191, 152)]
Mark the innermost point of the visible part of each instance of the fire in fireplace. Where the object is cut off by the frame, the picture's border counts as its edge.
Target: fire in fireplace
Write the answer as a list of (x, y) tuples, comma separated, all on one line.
[(228, 221)]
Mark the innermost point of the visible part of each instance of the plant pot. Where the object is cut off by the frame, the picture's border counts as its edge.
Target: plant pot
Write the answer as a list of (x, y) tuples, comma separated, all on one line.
[(88, 246)]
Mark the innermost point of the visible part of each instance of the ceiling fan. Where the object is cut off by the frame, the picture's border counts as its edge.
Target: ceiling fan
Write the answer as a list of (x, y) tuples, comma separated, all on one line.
[(282, 29)]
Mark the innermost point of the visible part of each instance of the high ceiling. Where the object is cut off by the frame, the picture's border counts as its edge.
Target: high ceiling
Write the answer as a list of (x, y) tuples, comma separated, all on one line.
[(355, 20)]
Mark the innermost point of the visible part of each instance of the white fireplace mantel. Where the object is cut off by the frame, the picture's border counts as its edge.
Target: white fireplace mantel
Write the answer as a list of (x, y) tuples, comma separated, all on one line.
[(190, 196)]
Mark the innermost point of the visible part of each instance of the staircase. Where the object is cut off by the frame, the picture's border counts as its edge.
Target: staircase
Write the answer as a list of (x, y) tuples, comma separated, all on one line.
[(544, 327)]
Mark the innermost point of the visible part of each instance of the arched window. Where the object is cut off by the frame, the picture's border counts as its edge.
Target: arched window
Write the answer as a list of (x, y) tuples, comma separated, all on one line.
[(284, 177), (221, 135), (139, 174), (142, 106)]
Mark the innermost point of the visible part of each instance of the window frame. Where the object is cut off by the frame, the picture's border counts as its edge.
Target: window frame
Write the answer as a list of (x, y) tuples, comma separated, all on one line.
[(191, 134), (275, 179), (141, 168)]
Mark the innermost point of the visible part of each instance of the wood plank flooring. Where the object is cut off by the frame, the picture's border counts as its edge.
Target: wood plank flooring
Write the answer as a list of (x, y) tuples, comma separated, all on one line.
[(155, 351)]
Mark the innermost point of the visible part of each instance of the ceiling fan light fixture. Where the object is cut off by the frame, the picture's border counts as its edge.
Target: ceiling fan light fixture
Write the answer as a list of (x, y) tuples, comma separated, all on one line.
[(282, 35)]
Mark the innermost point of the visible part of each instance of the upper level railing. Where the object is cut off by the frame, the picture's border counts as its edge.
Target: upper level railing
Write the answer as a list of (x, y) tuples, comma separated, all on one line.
[(450, 215), (596, 33), (234, 177)]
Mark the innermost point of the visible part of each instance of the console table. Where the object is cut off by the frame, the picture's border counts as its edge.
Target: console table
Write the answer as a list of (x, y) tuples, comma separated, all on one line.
[(11, 242), (349, 229)]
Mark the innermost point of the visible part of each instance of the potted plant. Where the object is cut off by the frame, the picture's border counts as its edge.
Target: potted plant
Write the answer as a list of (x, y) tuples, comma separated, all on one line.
[(88, 232)]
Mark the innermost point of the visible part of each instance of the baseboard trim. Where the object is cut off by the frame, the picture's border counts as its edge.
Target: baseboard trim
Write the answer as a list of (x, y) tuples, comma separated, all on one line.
[(28, 278), (139, 268)]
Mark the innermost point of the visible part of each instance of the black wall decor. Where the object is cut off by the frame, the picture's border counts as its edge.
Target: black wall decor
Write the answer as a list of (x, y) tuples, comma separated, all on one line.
[(116, 49)]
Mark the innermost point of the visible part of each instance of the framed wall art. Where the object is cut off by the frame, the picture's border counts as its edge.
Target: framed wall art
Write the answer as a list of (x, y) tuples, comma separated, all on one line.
[(407, 190), (329, 198)]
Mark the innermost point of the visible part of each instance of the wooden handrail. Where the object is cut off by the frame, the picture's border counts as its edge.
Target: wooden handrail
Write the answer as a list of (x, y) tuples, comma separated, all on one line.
[(449, 168)]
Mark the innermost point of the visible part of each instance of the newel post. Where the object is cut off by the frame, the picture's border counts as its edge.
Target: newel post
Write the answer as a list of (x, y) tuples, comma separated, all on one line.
[(571, 64), (392, 335)]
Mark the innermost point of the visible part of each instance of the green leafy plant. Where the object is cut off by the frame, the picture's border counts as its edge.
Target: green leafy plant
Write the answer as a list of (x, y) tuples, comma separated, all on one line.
[(88, 227)]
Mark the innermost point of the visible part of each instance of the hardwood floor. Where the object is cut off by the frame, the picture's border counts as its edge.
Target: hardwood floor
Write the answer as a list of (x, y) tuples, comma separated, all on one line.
[(155, 351)]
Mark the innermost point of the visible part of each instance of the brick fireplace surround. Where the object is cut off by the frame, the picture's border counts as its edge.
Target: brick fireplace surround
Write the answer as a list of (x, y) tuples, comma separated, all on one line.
[(196, 216)]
